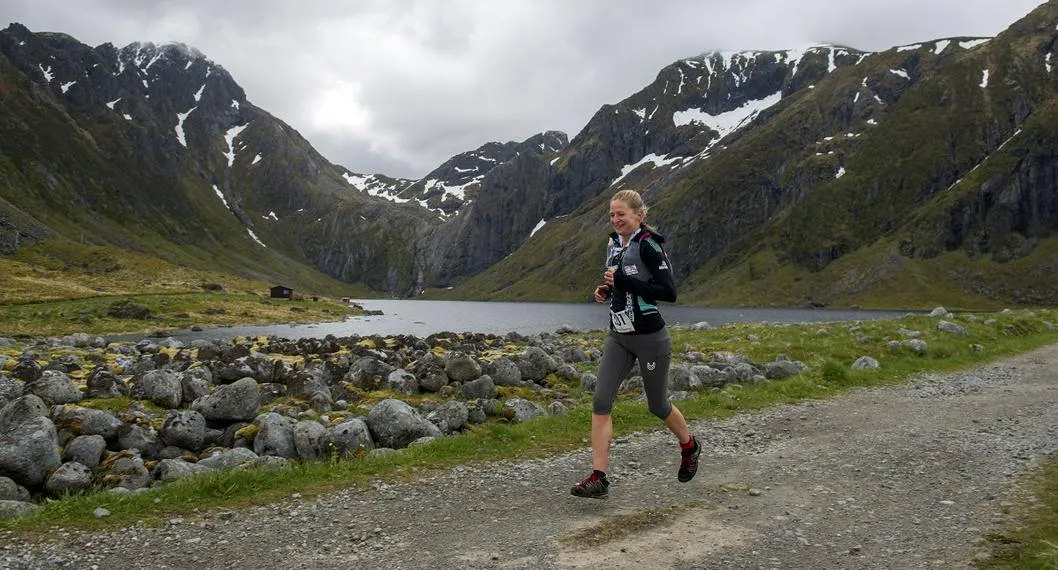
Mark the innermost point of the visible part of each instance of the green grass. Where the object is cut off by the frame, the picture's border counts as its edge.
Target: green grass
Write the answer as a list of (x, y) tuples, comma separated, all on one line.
[(829, 357), (1031, 544)]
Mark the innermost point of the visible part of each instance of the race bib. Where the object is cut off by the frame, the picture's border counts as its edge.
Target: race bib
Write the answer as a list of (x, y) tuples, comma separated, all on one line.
[(622, 321)]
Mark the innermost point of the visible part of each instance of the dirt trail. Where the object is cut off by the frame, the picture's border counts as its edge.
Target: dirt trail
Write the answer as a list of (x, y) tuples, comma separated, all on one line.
[(903, 477)]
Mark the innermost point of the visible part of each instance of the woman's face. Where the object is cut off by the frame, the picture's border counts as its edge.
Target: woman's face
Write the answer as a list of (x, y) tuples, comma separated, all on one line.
[(625, 221)]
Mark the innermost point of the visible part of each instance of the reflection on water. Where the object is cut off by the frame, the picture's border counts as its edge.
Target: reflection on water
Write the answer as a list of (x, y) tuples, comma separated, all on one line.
[(423, 318)]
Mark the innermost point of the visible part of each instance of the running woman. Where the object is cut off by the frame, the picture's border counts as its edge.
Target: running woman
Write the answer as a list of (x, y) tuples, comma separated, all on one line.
[(636, 278)]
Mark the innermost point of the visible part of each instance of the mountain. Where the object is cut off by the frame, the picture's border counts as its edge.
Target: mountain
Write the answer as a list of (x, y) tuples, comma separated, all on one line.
[(829, 176), (157, 149), (826, 175)]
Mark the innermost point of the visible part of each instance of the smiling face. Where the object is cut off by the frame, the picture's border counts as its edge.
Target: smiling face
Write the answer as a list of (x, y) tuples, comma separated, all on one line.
[(625, 220)]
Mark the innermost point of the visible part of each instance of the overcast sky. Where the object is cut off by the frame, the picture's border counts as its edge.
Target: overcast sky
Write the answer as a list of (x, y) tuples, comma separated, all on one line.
[(399, 86)]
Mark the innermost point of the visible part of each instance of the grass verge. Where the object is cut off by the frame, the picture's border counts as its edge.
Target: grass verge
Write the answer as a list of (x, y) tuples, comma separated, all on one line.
[(828, 350), (1032, 542)]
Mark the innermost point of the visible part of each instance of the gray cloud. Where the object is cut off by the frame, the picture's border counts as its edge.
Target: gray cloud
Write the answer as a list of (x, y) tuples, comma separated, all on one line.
[(397, 87)]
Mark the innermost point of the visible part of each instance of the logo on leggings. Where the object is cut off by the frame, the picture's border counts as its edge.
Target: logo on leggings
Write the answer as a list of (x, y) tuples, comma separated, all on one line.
[(652, 365)]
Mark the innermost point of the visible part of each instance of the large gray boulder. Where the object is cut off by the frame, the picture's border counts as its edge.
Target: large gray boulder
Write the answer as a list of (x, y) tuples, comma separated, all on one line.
[(519, 410), (481, 389), (450, 417), (310, 439), (349, 437), (86, 450), (368, 373), (395, 424), (536, 364), (29, 450), (173, 469), (275, 436), (682, 378), (460, 367), (184, 428), (194, 384), (402, 381), (504, 372), (10, 389), (124, 469), (102, 383), (780, 369), (71, 477), (16, 509), (55, 388), (140, 437), (11, 491), (88, 421), (21, 410), (228, 459), (238, 401), (161, 387)]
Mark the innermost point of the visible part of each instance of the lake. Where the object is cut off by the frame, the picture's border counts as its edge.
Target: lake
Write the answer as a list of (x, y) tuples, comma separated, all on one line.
[(423, 318)]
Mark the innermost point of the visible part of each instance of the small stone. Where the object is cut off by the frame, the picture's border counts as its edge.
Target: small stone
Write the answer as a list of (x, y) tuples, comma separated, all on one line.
[(101, 512), (753, 492), (855, 550)]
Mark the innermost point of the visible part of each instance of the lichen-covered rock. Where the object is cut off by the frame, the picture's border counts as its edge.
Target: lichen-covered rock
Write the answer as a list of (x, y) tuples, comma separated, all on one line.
[(349, 437), (395, 424), (85, 449), (124, 469), (866, 363), (184, 428), (504, 372), (238, 401), (682, 377), (227, 459), (142, 438), (10, 389), (71, 477), (310, 439), (101, 383), (162, 387), (950, 327), (460, 367), (402, 381), (172, 469), (21, 410), (28, 450), (535, 364), (481, 388), (780, 369), (275, 435), (16, 509), (450, 417), (54, 388), (11, 491), (519, 410)]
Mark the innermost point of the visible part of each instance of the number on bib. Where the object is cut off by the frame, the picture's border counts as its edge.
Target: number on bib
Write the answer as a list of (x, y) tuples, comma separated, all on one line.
[(622, 321)]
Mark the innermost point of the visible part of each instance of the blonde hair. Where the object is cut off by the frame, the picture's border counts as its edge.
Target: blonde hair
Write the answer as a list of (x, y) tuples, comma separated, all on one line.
[(633, 200)]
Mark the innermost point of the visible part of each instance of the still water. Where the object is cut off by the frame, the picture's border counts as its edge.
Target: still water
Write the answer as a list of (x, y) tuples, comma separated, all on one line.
[(423, 318)]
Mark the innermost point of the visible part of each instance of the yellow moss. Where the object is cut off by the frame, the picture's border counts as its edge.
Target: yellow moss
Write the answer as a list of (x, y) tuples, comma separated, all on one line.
[(367, 343), (248, 433), (390, 342), (439, 351)]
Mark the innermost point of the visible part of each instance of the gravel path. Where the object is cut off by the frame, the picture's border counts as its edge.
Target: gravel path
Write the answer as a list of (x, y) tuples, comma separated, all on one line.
[(902, 477)]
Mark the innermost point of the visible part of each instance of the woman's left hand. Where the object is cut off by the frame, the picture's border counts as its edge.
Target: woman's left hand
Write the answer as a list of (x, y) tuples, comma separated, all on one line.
[(607, 278)]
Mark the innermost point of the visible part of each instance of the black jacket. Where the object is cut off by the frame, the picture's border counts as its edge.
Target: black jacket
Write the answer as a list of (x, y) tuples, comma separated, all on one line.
[(643, 278)]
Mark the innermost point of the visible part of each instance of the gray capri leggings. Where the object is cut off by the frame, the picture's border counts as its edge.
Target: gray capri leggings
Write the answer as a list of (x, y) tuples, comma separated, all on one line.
[(619, 353)]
